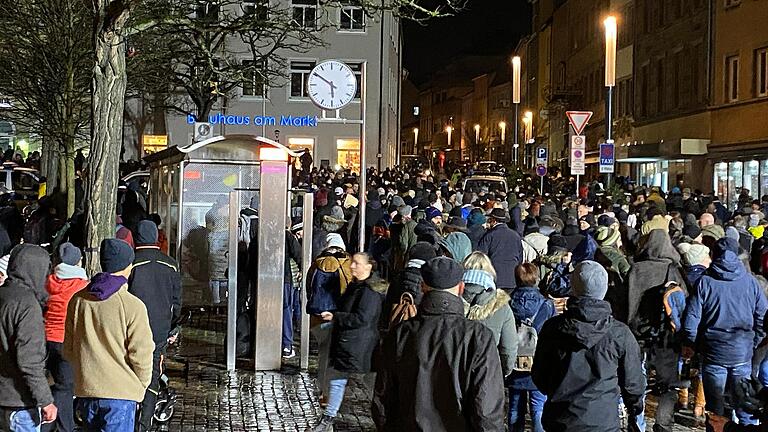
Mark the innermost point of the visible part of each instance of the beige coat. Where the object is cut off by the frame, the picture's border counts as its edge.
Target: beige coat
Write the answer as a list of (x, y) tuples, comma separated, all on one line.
[(109, 344)]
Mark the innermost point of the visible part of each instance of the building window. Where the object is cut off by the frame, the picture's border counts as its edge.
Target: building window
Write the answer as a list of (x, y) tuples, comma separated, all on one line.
[(256, 8), (732, 78), (299, 75), (676, 81), (207, 11), (357, 68), (253, 78), (352, 18), (305, 13), (660, 86), (761, 72)]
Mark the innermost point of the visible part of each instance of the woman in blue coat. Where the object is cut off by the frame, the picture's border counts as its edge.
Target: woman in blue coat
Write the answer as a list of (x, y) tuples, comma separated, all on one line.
[(529, 307)]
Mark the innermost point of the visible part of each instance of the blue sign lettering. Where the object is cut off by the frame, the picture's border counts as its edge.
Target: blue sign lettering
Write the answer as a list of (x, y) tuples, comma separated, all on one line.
[(258, 120)]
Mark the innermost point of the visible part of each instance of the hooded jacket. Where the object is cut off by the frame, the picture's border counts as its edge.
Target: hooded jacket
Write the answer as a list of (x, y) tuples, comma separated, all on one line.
[(505, 249), (491, 308), (327, 280), (656, 264), (22, 334), (407, 281), (108, 341), (585, 360), (355, 326), (458, 245), (442, 373), (724, 317), (65, 281)]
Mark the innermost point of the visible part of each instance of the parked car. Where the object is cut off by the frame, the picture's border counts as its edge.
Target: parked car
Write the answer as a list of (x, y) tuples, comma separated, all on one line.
[(22, 183), (492, 183)]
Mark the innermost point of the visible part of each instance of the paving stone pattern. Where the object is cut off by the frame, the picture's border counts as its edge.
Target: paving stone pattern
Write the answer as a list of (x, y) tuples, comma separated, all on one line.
[(210, 399)]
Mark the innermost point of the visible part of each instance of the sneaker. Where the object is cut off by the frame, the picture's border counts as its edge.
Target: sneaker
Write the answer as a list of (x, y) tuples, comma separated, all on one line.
[(289, 353), (325, 425)]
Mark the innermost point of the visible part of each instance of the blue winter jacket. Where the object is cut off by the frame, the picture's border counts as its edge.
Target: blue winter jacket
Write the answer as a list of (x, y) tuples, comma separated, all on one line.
[(724, 316), (527, 302), (694, 274), (505, 249)]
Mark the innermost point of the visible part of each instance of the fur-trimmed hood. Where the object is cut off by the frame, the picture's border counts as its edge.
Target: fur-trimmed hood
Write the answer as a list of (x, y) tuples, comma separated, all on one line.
[(480, 311)]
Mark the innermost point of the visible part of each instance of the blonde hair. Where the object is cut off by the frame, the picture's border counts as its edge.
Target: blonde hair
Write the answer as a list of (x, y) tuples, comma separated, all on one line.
[(479, 261)]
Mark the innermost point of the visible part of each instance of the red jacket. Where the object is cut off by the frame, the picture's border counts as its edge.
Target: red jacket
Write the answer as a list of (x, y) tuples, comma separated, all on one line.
[(61, 286)]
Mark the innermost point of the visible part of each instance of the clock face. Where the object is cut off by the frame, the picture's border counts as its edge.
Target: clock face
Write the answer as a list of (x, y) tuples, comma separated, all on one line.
[(332, 85)]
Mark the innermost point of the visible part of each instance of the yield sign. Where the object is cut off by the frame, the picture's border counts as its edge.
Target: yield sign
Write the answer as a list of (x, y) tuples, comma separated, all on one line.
[(578, 120)]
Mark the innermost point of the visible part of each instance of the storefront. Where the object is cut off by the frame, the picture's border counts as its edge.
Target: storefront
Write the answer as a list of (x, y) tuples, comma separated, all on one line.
[(731, 177), (665, 174), (348, 153)]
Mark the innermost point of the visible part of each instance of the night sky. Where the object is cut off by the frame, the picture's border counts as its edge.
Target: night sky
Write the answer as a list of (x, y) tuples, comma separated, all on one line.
[(486, 27)]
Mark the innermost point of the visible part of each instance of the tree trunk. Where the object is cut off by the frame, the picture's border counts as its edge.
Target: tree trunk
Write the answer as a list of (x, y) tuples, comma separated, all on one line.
[(49, 163), (68, 157), (108, 86)]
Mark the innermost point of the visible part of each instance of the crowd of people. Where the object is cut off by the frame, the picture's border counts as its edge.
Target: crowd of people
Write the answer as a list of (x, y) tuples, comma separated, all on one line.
[(568, 308), (84, 350)]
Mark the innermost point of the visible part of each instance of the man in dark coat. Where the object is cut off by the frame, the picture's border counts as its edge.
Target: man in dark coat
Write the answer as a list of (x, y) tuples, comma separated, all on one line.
[(409, 279), (24, 390), (724, 321), (504, 247), (476, 227), (156, 281), (443, 372), (585, 359)]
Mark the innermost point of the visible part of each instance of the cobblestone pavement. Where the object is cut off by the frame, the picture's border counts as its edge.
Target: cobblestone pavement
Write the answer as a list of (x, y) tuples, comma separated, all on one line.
[(210, 399)]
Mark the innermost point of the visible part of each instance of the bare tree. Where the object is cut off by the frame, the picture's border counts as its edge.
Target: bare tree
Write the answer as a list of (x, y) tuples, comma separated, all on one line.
[(45, 69)]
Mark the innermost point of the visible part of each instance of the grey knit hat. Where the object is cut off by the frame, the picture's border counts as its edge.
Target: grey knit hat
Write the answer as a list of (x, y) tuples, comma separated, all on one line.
[(589, 279)]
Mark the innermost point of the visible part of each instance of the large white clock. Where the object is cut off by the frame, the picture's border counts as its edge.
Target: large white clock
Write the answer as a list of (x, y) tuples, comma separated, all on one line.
[(332, 85)]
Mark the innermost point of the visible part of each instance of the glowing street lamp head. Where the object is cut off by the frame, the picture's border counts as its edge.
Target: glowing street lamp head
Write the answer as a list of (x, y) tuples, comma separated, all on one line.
[(448, 129), (516, 79), (503, 125), (528, 115), (610, 50), (415, 130), (477, 128)]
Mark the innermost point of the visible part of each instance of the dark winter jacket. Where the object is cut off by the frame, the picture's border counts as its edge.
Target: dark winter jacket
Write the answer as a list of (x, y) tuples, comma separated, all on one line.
[(585, 360), (528, 302), (693, 274), (724, 317), (407, 281), (656, 264), (426, 231), (327, 280), (505, 249), (475, 233), (355, 326), (22, 333), (442, 373), (156, 281)]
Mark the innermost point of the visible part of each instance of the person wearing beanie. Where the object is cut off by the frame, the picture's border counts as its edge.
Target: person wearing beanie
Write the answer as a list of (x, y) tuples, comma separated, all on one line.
[(374, 212), (504, 247), (609, 251), (692, 233), (108, 341), (696, 260), (434, 215), (25, 395), (68, 278), (403, 237), (156, 281), (409, 279), (580, 357), (724, 322), (458, 380), (476, 226), (327, 281)]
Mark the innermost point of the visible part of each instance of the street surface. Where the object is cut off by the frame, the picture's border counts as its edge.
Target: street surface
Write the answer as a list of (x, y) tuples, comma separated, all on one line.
[(210, 399)]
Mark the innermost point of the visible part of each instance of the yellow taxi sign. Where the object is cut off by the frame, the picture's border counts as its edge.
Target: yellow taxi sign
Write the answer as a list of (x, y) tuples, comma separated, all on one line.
[(155, 140)]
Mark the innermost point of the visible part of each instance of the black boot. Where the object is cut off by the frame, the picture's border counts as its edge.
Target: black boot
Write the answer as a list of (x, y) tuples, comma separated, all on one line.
[(325, 425)]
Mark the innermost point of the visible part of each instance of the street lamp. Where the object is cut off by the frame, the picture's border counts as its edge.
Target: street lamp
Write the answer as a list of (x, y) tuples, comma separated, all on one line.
[(515, 97), (503, 127), (610, 78), (449, 130), (477, 139), (415, 140)]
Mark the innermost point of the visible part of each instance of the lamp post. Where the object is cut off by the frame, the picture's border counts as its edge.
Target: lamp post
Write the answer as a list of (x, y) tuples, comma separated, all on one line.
[(527, 133), (477, 136), (503, 127), (516, 98), (415, 141), (610, 79), (449, 130)]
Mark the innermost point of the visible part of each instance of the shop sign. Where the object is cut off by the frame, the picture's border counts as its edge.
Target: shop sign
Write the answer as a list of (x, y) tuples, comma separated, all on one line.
[(259, 120)]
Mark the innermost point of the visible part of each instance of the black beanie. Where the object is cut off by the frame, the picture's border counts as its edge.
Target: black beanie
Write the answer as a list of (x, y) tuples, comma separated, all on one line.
[(692, 230), (146, 233), (557, 242), (422, 251), (116, 255)]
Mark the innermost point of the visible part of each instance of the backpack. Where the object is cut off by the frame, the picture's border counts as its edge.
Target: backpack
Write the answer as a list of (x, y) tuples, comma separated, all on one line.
[(653, 322), (403, 311), (527, 339)]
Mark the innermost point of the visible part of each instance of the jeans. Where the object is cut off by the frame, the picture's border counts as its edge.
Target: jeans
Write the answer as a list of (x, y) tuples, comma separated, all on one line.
[(716, 378), (62, 389), (667, 365), (322, 333), (289, 303), (147, 411), (519, 401), (763, 374), (335, 396), (20, 420), (106, 415)]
